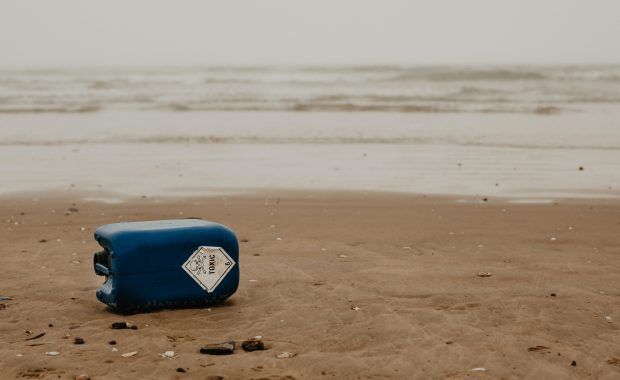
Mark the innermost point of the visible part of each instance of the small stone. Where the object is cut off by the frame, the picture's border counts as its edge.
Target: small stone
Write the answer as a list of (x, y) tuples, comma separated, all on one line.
[(182, 370), (123, 325), (114, 349), (355, 308), (225, 348), (285, 355), (573, 363), (82, 376), (168, 354), (254, 344), (112, 342), (484, 274), (52, 353), (552, 294), (78, 340)]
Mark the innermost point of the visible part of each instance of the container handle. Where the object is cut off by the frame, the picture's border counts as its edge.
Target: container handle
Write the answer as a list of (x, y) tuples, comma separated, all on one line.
[(100, 258), (102, 270)]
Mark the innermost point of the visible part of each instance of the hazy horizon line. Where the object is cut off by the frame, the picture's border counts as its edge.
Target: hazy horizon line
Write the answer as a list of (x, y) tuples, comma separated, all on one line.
[(311, 65)]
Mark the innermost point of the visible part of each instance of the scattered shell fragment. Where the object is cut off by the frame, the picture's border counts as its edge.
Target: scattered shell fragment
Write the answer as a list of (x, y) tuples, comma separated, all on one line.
[(355, 308), (484, 274), (342, 256), (82, 376), (168, 354), (114, 349), (129, 354), (52, 353), (285, 355), (278, 238), (482, 369), (225, 348), (78, 340)]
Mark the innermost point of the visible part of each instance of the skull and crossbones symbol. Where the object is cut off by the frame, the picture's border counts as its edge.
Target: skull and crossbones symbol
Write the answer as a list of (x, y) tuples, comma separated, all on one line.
[(198, 264)]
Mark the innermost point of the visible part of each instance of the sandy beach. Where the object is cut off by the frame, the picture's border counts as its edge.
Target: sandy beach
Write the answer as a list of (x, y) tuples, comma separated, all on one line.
[(463, 224), (418, 190), (357, 285)]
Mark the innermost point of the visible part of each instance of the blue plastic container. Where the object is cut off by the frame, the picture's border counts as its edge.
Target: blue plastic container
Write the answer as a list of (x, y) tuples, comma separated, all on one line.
[(166, 264)]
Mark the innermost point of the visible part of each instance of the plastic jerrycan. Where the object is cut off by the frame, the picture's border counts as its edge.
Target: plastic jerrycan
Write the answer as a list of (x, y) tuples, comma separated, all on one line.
[(166, 264)]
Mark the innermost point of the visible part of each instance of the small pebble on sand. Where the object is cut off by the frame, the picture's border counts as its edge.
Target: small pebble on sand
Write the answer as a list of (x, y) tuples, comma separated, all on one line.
[(285, 355), (168, 354)]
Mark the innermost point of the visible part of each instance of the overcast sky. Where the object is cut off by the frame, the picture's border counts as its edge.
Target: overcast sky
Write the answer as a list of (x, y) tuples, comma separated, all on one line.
[(188, 32)]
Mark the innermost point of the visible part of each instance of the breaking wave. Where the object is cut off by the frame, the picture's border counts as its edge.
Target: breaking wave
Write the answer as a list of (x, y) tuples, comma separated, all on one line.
[(339, 140), (436, 89)]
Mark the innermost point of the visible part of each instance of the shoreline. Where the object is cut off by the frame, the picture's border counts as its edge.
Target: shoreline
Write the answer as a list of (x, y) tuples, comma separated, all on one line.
[(193, 153)]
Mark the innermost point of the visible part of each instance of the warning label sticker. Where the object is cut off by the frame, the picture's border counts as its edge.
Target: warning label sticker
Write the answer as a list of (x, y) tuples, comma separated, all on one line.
[(208, 266)]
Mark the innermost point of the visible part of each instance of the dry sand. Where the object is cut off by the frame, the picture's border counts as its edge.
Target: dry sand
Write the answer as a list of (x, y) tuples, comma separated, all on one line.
[(357, 286)]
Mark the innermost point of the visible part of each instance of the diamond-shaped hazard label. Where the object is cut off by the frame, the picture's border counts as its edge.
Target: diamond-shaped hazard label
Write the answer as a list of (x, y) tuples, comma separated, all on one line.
[(208, 266)]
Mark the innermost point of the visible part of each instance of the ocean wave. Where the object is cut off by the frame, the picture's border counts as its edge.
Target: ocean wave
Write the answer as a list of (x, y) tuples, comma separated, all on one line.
[(52, 109), (382, 88), (467, 75), (352, 107), (332, 140)]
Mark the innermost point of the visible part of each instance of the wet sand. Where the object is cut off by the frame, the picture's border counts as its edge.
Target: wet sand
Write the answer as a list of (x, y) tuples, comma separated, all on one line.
[(357, 285), (192, 153)]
